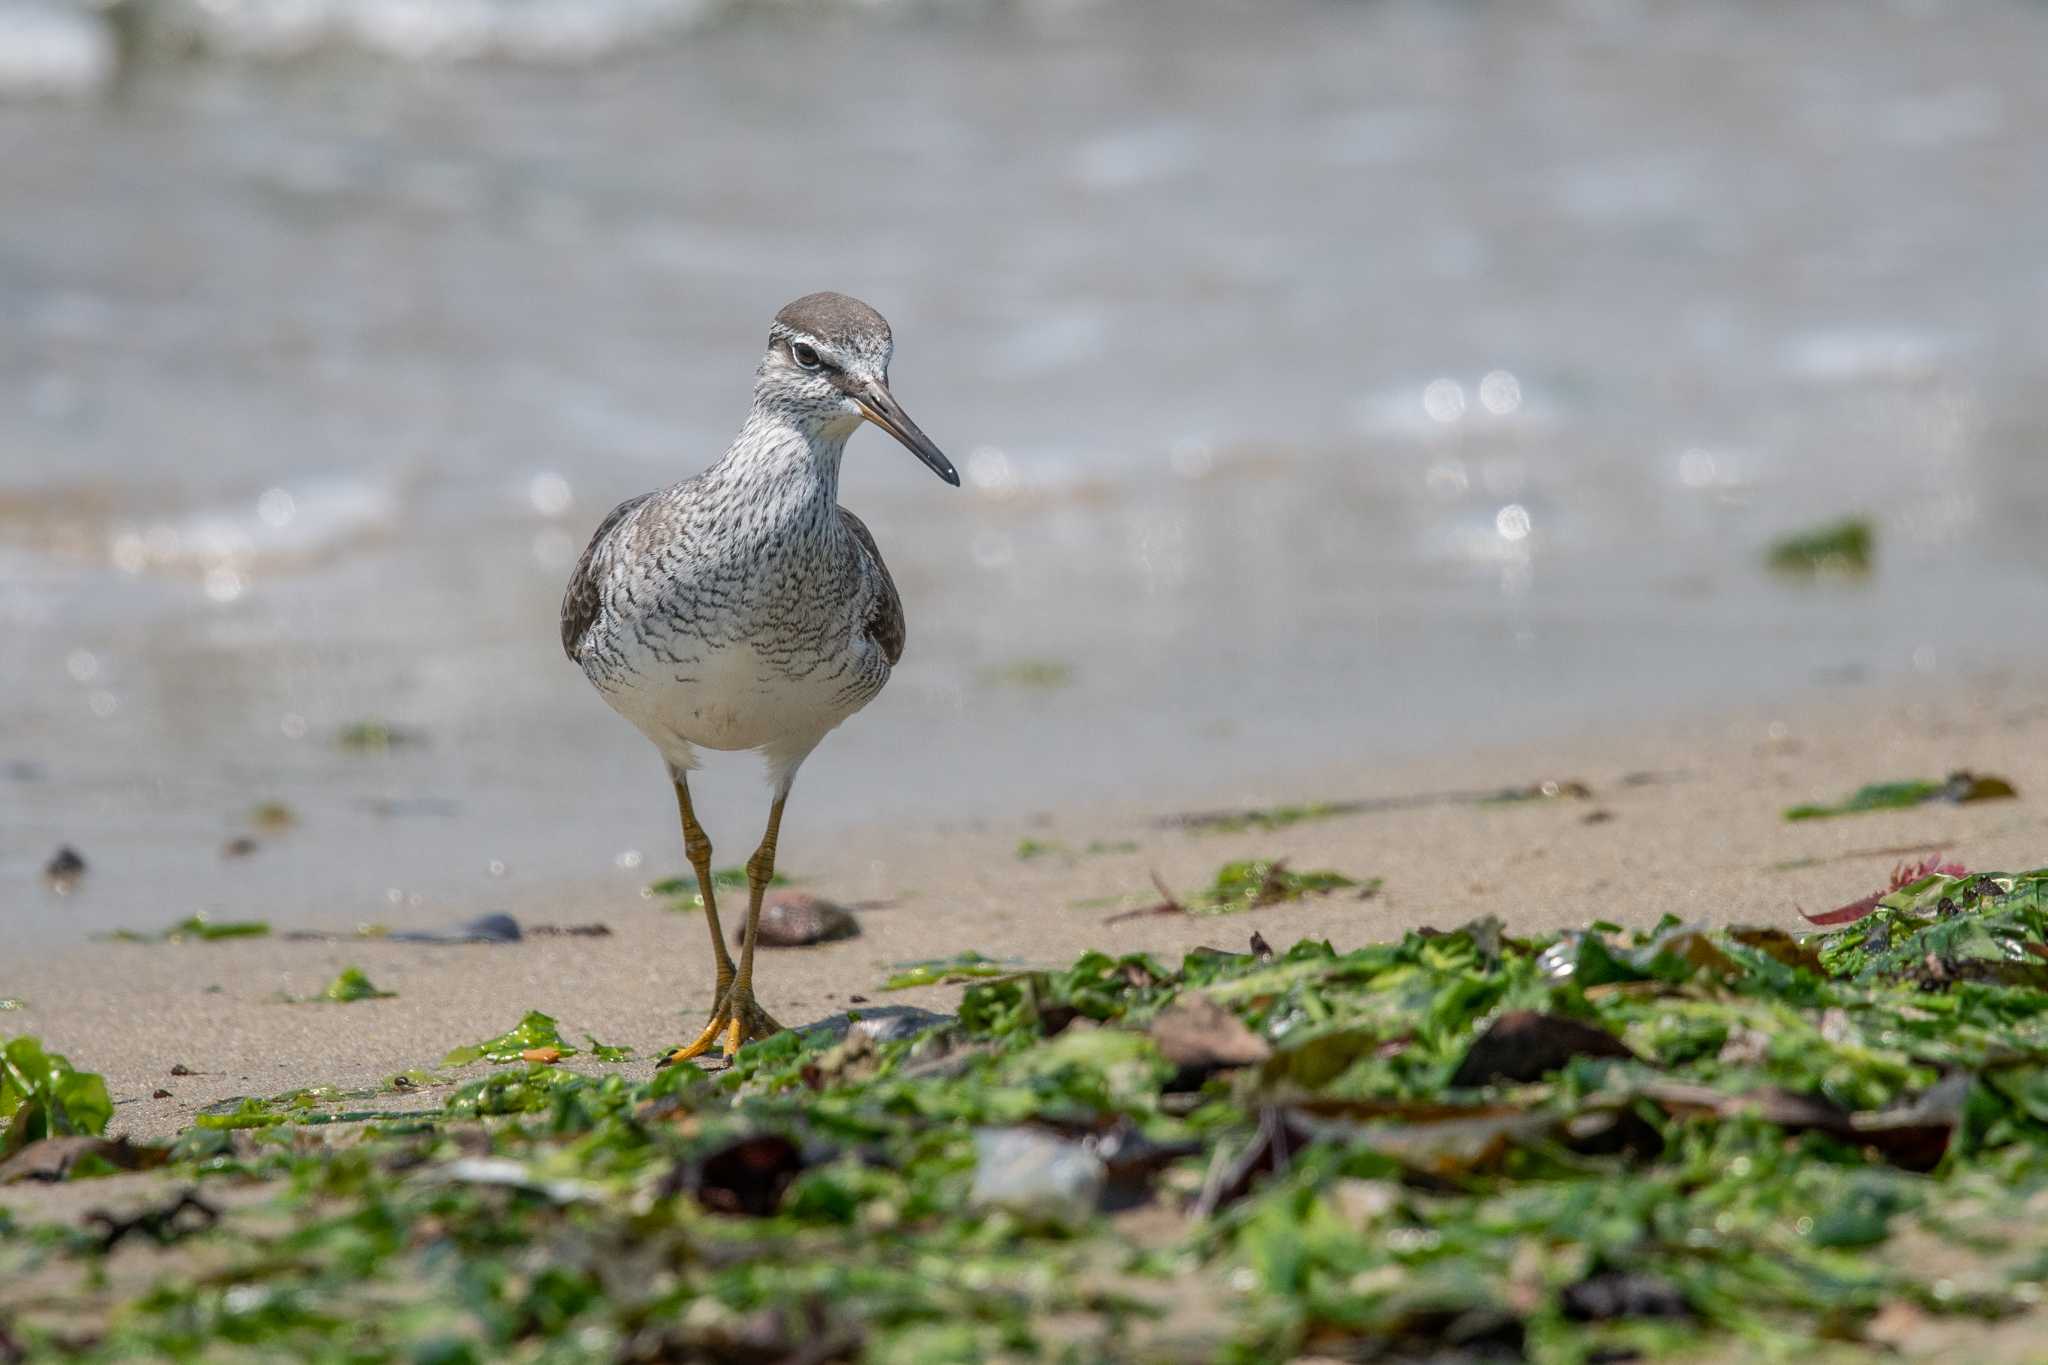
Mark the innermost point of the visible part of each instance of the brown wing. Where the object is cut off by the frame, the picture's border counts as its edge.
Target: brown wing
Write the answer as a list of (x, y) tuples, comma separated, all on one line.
[(885, 619), (581, 602)]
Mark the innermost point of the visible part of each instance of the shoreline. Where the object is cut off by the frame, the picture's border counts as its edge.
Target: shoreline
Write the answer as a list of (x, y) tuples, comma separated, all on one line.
[(1701, 836)]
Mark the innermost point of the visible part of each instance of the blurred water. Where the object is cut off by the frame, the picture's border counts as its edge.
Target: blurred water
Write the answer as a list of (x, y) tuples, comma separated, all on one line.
[(1332, 380)]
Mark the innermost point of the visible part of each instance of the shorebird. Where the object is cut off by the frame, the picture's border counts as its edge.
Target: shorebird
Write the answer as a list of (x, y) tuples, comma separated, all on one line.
[(745, 608)]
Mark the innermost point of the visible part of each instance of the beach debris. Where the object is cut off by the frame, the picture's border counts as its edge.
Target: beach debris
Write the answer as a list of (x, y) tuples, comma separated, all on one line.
[(164, 1224), (1842, 549), (1029, 850), (796, 919), (534, 1032), (78, 1158), (399, 807), (43, 1096), (1945, 928), (241, 846), (1734, 1134), (272, 817), (1265, 818), (946, 971), (496, 927), (180, 1069), (1036, 1176), (351, 986), (592, 930), (605, 1052), (12, 1002), (1550, 789), (1527, 1045), (1903, 876), (1959, 788), (1029, 675), (377, 737), (1261, 949), (62, 873), (1251, 884), (199, 927)]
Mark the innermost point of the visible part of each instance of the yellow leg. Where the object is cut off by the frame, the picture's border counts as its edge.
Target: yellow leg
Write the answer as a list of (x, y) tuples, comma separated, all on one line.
[(697, 845), (760, 871), (736, 1018)]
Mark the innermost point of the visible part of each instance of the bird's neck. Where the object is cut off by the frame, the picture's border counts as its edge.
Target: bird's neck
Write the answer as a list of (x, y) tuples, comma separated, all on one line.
[(786, 462)]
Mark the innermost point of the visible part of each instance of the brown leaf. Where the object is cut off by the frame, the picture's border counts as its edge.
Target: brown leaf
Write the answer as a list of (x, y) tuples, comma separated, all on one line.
[(1780, 945), (1524, 1045), (1197, 1033), (1912, 1136)]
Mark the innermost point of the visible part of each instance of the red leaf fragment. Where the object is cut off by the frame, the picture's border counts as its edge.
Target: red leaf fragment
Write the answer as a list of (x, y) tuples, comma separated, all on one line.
[(1903, 875)]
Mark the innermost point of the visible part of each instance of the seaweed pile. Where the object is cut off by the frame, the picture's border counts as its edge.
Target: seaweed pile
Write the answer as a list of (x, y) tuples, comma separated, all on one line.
[(1595, 1146)]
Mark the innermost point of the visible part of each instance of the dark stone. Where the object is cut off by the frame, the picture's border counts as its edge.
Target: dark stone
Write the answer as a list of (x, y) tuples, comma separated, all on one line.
[(796, 919)]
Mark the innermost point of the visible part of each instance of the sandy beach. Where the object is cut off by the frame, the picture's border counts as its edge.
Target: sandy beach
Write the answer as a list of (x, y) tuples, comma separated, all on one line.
[(1682, 819)]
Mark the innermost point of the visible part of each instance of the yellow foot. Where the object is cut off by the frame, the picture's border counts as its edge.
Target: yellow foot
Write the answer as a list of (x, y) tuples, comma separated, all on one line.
[(735, 1021)]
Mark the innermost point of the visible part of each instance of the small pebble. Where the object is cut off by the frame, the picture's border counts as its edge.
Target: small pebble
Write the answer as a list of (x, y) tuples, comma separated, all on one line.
[(792, 919), (241, 846), (180, 1069), (159, 1094)]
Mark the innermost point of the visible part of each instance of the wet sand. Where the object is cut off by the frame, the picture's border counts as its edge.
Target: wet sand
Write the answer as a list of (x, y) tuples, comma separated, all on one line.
[(1684, 818)]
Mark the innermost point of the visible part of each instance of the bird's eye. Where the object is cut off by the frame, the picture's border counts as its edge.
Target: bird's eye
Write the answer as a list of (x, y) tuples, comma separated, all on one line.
[(804, 354)]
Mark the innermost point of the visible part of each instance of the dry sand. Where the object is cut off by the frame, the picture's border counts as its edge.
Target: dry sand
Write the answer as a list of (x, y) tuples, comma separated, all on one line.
[(1700, 836)]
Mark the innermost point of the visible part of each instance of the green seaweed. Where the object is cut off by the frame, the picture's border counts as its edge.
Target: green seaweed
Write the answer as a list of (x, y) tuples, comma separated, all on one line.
[(1253, 882), (1844, 548), (197, 926), (1456, 1143), (42, 1095), (1960, 788), (1267, 818), (966, 966), (376, 737), (534, 1032), (351, 986), (1030, 849)]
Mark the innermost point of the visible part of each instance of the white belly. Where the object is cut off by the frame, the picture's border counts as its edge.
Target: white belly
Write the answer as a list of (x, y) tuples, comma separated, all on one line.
[(731, 699)]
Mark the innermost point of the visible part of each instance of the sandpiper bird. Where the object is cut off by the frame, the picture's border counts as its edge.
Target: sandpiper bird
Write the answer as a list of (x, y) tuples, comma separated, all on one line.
[(745, 608)]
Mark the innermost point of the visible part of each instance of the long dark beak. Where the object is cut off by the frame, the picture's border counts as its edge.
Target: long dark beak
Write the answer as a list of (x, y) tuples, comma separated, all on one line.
[(881, 408)]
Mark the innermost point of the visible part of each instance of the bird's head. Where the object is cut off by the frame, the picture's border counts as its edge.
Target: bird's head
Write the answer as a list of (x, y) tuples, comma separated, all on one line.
[(828, 365)]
